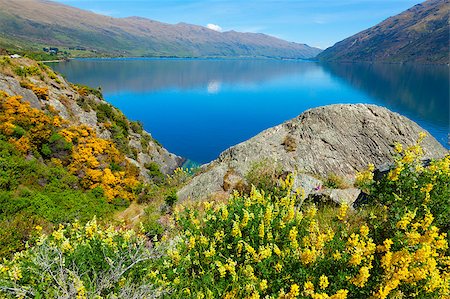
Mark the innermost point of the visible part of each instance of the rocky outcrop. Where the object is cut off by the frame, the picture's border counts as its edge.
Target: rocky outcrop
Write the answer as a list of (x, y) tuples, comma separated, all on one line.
[(336, 139), (79, 108)]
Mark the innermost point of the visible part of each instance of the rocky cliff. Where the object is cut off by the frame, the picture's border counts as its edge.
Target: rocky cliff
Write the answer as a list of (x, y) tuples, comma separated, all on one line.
[(336, 139), (78, 105)]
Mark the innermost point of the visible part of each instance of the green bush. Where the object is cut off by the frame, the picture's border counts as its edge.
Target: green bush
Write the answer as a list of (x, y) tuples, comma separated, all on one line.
[(171, 199), (265, 175), (88, 261)]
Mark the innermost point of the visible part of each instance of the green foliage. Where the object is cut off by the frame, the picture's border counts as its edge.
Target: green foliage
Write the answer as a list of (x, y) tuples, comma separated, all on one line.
[(335, 181), (267, 246), (104, 112), (137, 127), (89, 261), (19, 131), (265, 175), (410, 185), (171, 199), (44, 193), (39, 56), (155, 173), (150, 222), (84, 90), (25, 71), (46, 150)]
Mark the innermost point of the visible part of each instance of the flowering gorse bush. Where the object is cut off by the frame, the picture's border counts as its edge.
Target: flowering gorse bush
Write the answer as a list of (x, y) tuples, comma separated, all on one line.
[(78, 148), (80, 262)]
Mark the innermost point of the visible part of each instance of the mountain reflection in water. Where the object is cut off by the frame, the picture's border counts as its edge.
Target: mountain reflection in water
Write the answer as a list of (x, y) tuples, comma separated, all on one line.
[(198, 107)]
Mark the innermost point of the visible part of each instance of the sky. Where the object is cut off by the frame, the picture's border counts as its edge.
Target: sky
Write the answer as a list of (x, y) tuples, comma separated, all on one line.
[(318, 23)]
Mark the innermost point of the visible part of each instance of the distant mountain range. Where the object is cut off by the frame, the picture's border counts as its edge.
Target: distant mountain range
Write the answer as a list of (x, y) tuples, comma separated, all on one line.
[(419, 34), (40, 23)]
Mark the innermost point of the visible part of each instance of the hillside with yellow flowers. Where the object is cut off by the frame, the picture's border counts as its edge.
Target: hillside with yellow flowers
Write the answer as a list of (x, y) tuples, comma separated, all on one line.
[(70, 163), (66, 154)]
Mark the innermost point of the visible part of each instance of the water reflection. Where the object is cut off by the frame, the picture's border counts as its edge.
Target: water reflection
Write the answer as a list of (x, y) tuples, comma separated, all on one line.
[(417, 91), (183, 74), (198, 108)]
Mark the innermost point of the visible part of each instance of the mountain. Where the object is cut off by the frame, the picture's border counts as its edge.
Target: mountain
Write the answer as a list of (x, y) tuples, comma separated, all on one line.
[(419, 34), (41, 23)]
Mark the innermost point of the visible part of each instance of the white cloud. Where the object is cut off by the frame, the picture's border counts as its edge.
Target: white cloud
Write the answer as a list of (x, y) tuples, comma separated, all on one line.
[(214, 27)]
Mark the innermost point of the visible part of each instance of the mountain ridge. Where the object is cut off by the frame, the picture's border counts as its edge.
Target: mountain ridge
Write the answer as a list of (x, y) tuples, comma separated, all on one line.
[(419, 34), (42, 22)]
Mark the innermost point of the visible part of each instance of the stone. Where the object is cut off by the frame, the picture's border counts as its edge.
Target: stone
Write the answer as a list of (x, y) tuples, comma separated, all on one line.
[(340, 139)]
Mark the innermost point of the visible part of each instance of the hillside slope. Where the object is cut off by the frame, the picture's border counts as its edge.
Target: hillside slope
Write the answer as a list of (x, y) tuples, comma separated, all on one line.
[(419, 34), (38, 22), (66, 154)]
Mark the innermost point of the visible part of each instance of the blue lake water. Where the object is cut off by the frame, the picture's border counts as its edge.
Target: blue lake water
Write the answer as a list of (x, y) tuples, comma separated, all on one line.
[(198, 108)]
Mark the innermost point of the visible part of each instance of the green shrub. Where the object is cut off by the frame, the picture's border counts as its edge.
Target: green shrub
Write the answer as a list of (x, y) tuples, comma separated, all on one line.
[(89, 262), (25, 71), (335, 181), (265, 175), (45, 150), (137, 127), (150, 222), (155, 173), (171, 198)]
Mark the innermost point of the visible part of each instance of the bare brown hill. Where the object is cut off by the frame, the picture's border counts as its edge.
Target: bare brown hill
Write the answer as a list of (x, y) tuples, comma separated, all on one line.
[(419, 34)]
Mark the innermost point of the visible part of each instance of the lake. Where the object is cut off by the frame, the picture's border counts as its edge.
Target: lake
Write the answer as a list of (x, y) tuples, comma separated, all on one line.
[(199, 107)]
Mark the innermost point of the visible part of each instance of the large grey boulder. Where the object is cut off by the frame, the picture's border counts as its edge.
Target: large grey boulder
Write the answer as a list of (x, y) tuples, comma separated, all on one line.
[(338, 139)]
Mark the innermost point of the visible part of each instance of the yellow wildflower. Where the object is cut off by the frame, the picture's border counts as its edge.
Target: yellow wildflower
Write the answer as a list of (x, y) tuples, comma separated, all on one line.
[(261, 230), (342, 212), (263, 285), (323, 282), (295, 291), (308, 288)]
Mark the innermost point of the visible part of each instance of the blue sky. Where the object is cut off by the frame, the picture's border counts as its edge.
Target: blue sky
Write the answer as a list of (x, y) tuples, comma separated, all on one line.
[(319, 23)]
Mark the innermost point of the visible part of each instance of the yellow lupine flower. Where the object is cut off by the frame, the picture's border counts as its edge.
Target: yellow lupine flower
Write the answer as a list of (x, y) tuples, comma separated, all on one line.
[(362, 277), (406, 220), (278, 267), (276, 250), (323, 282), (245, 219), (337, 255), (294, 291), (236, 231), (261, 230), (342, 212), (65, 246), (364, 230), (15, 273), (224, 213), (191, 243), (263, 285), (341, 294), (308, 288)]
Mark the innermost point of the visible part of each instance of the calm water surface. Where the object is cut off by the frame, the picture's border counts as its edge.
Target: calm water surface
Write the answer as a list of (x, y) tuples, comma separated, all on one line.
[(198, 108)]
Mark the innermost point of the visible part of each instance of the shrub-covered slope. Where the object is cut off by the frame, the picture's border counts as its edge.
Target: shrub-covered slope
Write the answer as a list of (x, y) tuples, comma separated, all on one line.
[(263, 245), (66, 154)]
